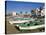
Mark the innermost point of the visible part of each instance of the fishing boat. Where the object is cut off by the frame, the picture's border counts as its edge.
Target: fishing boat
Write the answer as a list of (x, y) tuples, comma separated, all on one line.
[(27, 23)]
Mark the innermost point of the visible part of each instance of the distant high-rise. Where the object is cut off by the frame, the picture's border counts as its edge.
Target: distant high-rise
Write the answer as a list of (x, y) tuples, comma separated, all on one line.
[(13, 13), (37, 11), (43, 12)]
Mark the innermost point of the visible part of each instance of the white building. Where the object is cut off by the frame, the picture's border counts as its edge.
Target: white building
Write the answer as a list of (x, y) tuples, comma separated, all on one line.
[(43, 12), (37, 11), (13, 13)]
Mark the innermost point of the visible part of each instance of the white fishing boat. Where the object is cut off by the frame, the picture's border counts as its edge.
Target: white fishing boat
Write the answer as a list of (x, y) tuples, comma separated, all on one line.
[(26, 23), (23, 20)]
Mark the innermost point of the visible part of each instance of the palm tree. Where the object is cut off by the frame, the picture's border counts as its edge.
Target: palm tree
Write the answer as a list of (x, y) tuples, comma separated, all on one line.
[(40, 9), (32, 11), (26, 12), (17, 13), (21, 12)]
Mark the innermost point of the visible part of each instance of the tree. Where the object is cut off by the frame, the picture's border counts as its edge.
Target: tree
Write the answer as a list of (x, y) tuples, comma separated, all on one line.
[(17, 13), (32, 11), (40, 9), (26, 12), (21, 12)]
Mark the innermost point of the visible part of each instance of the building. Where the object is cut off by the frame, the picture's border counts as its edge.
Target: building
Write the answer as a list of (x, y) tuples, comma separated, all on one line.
[(37, 11), (43, 12), (13, 13)]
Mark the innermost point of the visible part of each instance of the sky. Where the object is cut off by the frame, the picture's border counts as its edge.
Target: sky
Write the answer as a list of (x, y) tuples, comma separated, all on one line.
[(17, 6)]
